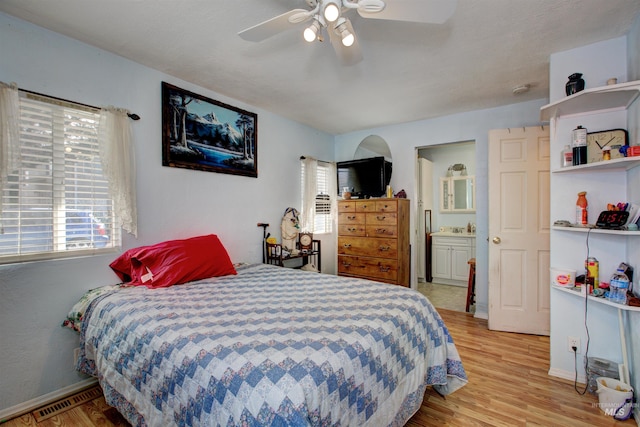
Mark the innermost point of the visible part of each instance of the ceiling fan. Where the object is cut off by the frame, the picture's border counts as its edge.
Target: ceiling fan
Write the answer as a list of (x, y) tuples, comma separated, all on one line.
[(330, 15)]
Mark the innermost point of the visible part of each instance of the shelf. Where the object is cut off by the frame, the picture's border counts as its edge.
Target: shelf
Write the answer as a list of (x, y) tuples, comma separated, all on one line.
[(596, 231), (623, 163), (274, 254), (599, 300), (606, 98)]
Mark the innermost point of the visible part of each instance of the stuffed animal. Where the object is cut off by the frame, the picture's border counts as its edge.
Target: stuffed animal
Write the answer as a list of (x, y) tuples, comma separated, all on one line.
[(290, 228)]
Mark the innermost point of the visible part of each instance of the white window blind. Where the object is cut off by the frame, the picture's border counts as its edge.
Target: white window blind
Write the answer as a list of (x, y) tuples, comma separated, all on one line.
[(322, 218), (56, 203)]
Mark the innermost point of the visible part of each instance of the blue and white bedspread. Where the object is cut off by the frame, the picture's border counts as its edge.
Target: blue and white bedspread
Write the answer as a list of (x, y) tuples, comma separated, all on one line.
[(270, 346)]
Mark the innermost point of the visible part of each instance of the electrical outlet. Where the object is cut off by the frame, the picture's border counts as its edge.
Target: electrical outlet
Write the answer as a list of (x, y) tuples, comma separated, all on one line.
[(573, 342), (76, 355)]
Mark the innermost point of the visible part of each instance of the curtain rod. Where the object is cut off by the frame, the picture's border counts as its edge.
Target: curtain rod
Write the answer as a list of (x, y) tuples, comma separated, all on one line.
[(323, 161), (132, 116)]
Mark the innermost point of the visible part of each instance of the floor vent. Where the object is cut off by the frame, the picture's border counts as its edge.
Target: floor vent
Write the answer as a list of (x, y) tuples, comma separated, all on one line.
[(67, 403)]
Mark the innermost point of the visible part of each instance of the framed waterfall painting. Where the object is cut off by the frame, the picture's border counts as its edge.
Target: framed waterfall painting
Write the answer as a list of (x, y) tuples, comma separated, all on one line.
[(204, 134)]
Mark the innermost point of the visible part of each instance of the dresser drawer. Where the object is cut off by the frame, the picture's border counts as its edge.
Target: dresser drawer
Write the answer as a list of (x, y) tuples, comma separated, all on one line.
[(366, 246), (382, 231), (350, 218), (365, 206), (349, 206), (354, 230), (382, 218), (386, 206), (374, 268)]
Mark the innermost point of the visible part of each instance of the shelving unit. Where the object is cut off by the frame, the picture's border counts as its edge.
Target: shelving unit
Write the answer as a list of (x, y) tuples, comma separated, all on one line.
[(276, 256), (607, 98), (624, 163), (598, 300), (589, 102), (596, 231), (621, 309)]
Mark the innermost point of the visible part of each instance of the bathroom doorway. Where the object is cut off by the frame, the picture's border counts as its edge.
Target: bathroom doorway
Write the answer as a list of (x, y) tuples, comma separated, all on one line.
[(446, 222)]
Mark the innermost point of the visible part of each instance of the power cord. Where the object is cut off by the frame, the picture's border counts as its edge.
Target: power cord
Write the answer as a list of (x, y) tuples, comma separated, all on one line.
[(586, 328)]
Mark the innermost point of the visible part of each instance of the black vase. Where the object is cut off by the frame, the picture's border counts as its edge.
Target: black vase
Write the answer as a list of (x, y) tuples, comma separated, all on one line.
[(575, 84)]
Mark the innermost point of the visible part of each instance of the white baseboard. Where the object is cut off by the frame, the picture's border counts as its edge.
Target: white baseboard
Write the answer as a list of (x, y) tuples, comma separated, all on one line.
[(567, 375), (30, 405), (481, 315)]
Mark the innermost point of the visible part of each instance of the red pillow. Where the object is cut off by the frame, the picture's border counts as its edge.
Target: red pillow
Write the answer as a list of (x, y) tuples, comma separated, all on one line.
[(174, 262), (122, 265)]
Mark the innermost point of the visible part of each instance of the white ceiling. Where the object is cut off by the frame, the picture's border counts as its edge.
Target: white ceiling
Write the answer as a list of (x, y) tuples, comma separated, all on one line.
[(410, 71)]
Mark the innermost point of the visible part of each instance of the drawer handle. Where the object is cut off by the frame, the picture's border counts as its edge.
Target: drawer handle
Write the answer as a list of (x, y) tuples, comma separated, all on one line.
[(380, 218), (384, 248), (351, 217), (384, 269), (347, 245), (346, 264), (381, 230), (352, 229)]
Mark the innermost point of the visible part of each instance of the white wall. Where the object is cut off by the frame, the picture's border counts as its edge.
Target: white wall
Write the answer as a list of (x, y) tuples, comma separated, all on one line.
[(403, 139), (35, 352), (598, 62)]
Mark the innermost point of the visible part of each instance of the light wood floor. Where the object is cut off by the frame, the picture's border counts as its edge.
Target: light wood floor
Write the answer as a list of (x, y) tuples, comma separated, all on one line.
[(508, 386)]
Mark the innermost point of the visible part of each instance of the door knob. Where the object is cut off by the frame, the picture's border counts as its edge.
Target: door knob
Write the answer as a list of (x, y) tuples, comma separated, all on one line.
[(497, 240)]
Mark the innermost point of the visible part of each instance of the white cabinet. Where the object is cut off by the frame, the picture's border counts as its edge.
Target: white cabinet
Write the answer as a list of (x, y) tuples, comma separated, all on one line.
[(457, 194), (450, 259)]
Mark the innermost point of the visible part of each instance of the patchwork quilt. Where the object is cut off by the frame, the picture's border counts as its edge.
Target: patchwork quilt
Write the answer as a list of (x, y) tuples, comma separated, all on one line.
[(269, 346)]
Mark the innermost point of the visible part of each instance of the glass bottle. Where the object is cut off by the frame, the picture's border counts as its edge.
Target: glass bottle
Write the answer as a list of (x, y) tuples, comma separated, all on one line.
[(579, 145), (567, 156), (582, 209)]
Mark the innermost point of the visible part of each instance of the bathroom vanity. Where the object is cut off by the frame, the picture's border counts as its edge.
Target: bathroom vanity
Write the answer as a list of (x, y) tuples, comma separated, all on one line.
[(451, 251)]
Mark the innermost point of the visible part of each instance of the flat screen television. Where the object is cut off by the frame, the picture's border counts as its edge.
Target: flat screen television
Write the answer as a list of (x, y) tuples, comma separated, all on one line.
[(364, 177)]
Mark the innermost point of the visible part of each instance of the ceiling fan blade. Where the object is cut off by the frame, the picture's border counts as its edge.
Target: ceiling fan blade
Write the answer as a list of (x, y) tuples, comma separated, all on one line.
[(427, 11), (347, 55), (273, 26)]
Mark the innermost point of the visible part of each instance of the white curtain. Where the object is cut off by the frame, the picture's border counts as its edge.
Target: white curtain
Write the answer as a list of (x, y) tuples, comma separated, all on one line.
[(9, 132), (118, 165), (333, 191), (310, 191)]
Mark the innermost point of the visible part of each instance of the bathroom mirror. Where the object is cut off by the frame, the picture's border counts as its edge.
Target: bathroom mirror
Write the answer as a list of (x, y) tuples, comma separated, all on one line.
[(457, 194), (373, 146)]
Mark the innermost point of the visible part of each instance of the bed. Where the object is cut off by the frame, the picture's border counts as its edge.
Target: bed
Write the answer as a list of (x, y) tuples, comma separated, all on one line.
[(266, 346)]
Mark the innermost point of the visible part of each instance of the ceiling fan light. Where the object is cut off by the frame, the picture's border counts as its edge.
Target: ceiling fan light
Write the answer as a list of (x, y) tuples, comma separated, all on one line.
[(348, 38), (311, 32), (331, 11)]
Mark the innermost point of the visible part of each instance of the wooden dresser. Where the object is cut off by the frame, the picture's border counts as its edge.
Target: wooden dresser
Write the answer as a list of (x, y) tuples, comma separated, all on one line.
[(373, 240)]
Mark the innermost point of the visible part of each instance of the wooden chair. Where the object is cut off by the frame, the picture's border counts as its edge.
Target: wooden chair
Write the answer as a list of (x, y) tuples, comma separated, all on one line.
[(471, 287)]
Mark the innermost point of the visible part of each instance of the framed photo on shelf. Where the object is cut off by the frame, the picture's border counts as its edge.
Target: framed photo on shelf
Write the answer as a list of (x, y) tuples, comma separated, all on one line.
[(203, 134)]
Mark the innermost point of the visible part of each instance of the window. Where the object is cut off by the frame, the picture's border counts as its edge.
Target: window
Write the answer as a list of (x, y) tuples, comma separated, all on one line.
[(321, 191), (57, 202)]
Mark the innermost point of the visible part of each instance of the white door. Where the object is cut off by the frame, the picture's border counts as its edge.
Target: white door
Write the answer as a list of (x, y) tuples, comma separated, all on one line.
[(519, 230), (425, 202)]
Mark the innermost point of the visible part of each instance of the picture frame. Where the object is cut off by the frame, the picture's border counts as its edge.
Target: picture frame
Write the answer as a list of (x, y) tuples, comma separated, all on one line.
[(204, 134)]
